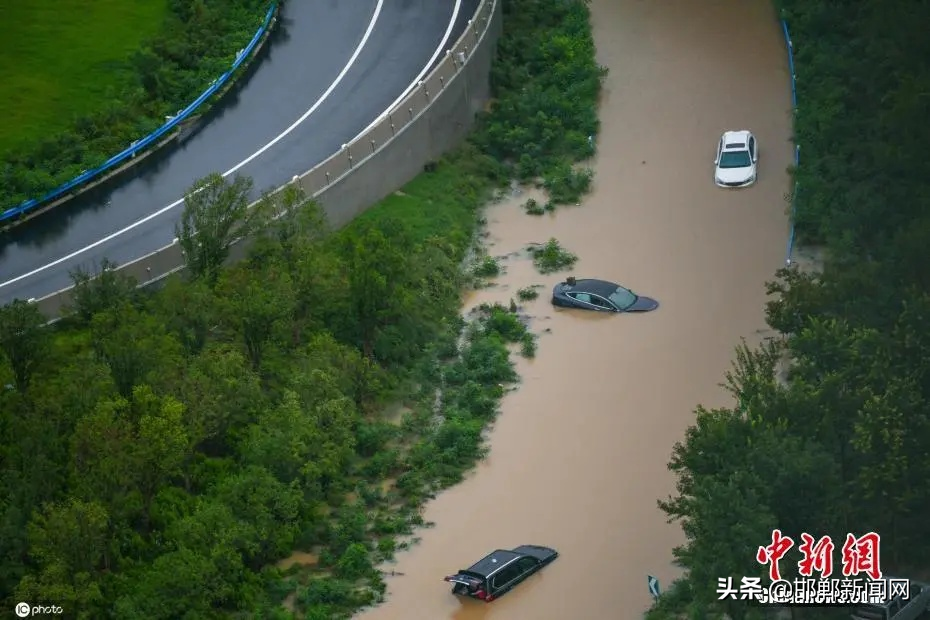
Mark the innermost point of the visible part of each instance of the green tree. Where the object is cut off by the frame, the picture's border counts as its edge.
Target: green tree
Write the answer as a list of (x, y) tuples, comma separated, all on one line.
[(258, 304), (135, 346), (71, 543), (354, 563), (162, 442), (104, 464), (188, 308), (309, 442), (356, 376), (124, 452), (271, 508), (378, 277), (105, 289), (320, 274), (222, 394), (23, 340), (180, 584), (295, 225), (216, 213)]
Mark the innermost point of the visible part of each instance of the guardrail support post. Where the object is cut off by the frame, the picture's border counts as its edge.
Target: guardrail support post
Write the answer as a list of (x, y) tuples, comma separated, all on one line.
[(410, 110), (372, 147), (474, 28), (425, 90), (391, 120), (327, 178), (442, 82), (455, 62)]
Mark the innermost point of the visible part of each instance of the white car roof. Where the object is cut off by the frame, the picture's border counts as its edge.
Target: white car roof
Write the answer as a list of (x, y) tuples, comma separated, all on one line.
[(738, 137)]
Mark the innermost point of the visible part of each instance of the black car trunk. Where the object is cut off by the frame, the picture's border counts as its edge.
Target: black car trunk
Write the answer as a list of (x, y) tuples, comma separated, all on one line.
[(465, 584)]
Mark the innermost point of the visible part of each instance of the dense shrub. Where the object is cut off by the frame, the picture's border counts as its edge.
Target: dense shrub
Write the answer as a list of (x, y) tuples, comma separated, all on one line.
[(546, 88)]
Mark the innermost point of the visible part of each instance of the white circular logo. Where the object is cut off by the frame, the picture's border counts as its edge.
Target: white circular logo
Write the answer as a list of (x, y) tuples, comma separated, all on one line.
[(23, 609)]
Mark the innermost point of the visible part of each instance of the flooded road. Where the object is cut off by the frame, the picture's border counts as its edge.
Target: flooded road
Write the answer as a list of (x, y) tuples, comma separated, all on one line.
[(578, 456)]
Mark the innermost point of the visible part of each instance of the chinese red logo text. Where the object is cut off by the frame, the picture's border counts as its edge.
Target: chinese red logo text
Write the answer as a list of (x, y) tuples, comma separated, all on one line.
[(774, 552), (860, 555), (818, 556)]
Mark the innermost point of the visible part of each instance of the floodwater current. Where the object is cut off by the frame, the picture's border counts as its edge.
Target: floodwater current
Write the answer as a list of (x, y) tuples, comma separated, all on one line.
[(578, 456)]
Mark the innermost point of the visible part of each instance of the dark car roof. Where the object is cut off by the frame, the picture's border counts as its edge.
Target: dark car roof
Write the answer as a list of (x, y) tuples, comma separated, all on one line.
[(598, 287), (493, 561)]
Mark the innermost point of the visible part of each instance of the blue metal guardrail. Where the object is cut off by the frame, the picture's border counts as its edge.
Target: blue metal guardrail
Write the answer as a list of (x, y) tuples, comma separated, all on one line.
[(145, 142), (789, 251)]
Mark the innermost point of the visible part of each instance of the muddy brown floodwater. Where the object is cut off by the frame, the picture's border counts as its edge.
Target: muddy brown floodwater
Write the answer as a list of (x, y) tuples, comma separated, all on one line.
[(578, 456)]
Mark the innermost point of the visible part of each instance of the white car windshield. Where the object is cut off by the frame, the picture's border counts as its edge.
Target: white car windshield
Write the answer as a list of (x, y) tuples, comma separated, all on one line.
[(623, 298), (735, 159)]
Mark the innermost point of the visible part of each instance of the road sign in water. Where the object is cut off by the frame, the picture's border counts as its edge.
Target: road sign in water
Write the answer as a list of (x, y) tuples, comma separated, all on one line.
[(653, 585)]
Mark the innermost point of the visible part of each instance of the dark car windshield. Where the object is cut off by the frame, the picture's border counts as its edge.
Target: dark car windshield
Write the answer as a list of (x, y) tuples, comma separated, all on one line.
[(735, 159), (623, 298)]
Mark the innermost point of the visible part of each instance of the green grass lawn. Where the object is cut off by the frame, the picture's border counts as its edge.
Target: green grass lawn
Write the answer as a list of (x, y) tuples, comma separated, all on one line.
[(61, 58)]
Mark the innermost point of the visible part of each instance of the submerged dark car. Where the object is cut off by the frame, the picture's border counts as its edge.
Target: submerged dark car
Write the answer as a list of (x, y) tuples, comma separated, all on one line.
[(600, 295), (499, 571)]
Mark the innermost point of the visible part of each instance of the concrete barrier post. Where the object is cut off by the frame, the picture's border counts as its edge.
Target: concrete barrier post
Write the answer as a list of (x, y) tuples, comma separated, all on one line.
[(348, 150)]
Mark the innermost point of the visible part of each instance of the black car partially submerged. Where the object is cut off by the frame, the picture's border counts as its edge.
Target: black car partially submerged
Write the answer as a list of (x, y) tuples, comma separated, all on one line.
[(499, 571), (600, 295)]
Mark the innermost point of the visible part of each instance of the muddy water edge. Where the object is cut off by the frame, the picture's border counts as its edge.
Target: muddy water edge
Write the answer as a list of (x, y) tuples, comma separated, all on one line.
[(578, 455)]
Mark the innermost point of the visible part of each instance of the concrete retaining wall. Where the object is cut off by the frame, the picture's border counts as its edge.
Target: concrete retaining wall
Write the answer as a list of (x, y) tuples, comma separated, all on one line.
[(433, 119)]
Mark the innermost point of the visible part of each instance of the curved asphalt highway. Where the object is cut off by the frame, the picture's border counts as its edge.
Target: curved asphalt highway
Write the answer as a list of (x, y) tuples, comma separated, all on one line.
[(344, 63)]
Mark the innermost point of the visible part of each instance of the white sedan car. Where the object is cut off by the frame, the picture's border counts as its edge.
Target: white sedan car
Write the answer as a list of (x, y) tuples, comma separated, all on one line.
[(737, 154)]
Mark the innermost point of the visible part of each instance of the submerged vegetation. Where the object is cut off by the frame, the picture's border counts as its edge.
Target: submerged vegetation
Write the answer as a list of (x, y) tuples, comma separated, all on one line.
[(532, 207), (551, 257), (528, 293), (165, 452), (181, 47), (488, 267), (841, 446)]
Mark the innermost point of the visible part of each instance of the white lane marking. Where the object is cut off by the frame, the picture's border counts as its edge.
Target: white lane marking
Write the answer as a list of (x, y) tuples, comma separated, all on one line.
[(294, 125), (416, 80)]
